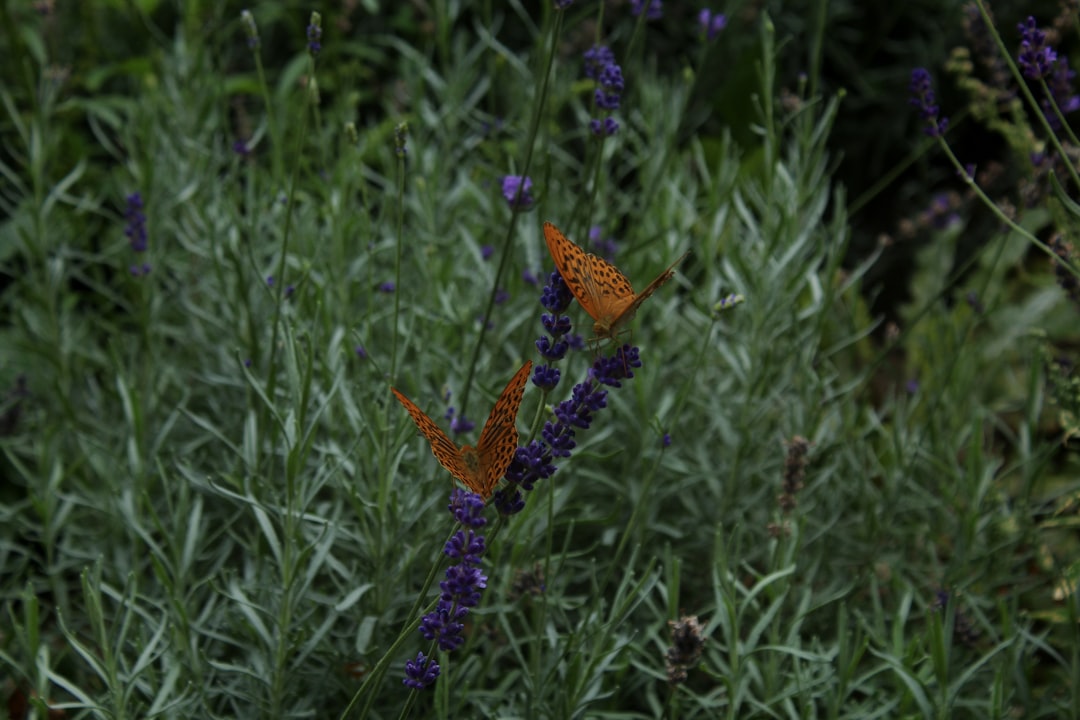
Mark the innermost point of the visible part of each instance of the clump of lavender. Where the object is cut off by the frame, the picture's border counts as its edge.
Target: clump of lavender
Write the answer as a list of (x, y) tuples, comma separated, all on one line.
[(517, 190), (464, 581), (1039, 61), (459, 424), (421, 672), (135, 230), (922, 97), (654, 9), (600, 66), (534, 462), (461, 589), (711, 24), (1036, 57)]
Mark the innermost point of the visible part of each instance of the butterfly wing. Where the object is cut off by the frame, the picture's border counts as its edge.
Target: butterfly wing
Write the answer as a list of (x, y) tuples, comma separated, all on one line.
[(597, 284), (442, 447), (627, 312), (499, 438)]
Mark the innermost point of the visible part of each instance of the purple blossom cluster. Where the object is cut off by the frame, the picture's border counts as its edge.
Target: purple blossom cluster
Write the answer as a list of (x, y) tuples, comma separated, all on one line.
[(711, 24), (600, 66), (1036, 58), (922, 97), (135, 230), (459, 424), (461, 589), (517, 190), (1039, 61), (654, 9), (534, 462), (464, 581)]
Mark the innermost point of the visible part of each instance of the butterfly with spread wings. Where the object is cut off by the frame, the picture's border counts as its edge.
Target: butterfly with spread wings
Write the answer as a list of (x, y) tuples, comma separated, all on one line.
[(599, 286), (480, 468)]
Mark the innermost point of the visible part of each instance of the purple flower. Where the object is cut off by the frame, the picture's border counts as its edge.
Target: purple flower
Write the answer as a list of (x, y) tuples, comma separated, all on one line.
[(563, 4), (512, 185), (387, 287), (1035, 57), (654, 12), (611, 86), (556, 297), (529, 277), (314, 34), (666, 442), (597, 58), (486, 252), (361, 352), (710, 24), (136, 223), (464, 581), (607, 128), (534, 462), (468, 509), (241, 148), (501, 296), (459, 424), (600, 66), (922, 97), (421, 672), (545, 377)]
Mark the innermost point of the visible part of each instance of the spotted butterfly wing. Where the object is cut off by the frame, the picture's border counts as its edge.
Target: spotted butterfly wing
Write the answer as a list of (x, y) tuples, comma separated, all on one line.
[(479, 468), (442, 447), (499, 439), (599, 286)]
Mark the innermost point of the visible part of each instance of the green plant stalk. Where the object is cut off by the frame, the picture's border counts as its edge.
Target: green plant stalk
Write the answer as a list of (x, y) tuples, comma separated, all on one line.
[(514, 212)]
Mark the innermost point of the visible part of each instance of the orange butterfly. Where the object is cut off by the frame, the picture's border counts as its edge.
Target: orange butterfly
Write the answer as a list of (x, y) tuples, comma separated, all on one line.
[(480, 467), (602, 290)]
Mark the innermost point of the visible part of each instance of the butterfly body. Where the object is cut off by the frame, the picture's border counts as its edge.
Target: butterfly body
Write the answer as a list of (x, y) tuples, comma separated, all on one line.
[(479, 468), (600, 288)]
